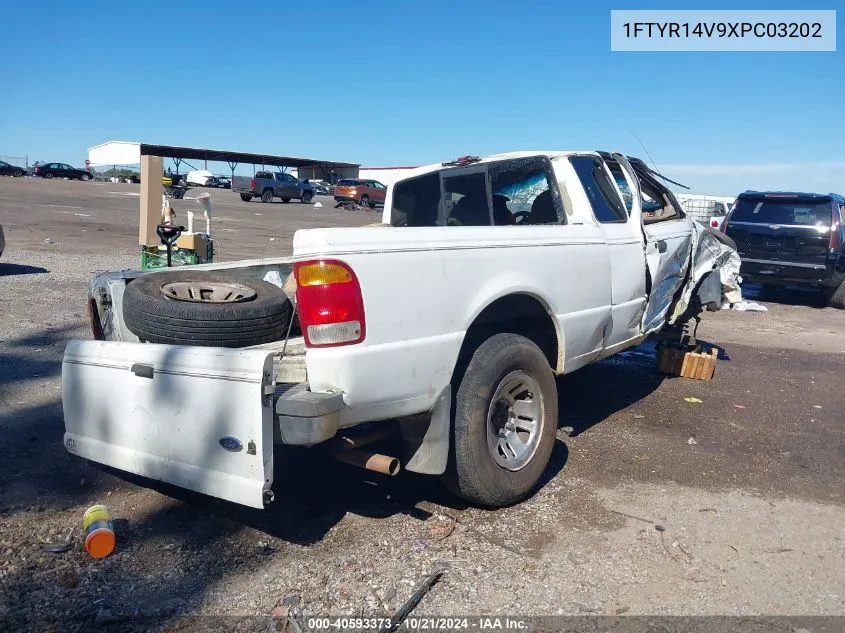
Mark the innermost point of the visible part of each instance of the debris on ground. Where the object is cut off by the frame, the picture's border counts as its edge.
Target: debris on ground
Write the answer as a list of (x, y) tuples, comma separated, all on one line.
[(56, 548), (405, 610), (745, 306), (693, 400), (440, 527), (317, 205)]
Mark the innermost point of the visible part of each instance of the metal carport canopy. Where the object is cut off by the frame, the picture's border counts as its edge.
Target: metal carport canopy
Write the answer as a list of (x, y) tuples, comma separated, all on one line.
[(168, 151)]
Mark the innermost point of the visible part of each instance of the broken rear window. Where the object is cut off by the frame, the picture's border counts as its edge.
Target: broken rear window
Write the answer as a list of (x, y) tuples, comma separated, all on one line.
[(522, 193)]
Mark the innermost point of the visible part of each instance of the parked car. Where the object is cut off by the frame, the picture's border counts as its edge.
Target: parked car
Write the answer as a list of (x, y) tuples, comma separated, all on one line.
[(791, 238), (11, 170), (367, 193), (62, 170), (267, 185), (320, 187), (452, 316)]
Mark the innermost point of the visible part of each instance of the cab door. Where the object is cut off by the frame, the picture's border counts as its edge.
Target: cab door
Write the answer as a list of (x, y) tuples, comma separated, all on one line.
[(620, 226)]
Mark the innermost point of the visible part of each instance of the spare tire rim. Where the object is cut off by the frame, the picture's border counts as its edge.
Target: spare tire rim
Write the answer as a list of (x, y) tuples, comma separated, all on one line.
[(515, 420), (207, 292)]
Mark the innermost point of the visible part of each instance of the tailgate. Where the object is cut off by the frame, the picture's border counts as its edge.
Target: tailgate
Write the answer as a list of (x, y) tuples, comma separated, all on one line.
[(195, 417), (242, 184)]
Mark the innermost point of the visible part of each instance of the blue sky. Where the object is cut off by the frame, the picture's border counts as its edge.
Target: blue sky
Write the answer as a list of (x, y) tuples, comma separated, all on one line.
[(404, 83)]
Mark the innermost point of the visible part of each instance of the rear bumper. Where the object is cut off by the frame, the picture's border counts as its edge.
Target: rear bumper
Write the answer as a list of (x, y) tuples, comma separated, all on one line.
[(305, 418), (786, 273)]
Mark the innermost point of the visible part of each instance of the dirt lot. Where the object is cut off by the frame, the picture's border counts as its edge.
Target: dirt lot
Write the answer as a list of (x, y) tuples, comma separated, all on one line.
[(652, 505)]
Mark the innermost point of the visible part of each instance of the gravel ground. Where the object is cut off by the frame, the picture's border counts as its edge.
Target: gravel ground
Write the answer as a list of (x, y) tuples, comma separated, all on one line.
[(652, 505)]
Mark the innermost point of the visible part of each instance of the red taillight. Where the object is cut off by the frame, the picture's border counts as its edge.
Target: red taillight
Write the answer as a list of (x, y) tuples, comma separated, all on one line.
[(835, 237), (94, 317), (329, 303), (252, 184)]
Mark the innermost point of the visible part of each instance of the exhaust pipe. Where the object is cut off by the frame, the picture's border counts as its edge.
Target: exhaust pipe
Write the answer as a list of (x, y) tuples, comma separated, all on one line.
[(384, 464), (382, 432)]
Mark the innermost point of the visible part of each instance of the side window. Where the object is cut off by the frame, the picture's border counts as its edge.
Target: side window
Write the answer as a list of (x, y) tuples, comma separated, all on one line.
[(606, 203), (378, 185), (522, 193), (465, 199), (657, 206), (416, 201)]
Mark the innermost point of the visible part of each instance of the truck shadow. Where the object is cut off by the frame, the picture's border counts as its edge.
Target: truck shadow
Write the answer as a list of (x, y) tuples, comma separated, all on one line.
[(10, 269), (595, 392)]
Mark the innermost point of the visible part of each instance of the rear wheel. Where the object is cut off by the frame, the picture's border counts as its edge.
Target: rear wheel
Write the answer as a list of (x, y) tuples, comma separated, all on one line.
[(504, 422), (267, 195), (306, 197), (48, 175), (84, 177), (836, 298), (246, 197), (18, 173), (365, 200)]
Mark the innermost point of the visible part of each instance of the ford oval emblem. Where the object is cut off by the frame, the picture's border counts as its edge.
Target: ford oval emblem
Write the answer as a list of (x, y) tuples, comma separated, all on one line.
[(231, 444)]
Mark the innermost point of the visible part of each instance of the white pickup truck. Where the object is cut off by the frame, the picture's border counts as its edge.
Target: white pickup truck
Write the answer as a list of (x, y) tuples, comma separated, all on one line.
[(446, 325)]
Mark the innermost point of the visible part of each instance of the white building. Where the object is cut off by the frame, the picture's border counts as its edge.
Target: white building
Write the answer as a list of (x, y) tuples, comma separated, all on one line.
[(115, 153)]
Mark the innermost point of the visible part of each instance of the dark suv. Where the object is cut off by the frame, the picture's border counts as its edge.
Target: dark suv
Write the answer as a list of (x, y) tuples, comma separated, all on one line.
[(786, 238)]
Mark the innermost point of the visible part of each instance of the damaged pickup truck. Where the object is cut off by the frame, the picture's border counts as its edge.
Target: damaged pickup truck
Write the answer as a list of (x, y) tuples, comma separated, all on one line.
[(444, 325)]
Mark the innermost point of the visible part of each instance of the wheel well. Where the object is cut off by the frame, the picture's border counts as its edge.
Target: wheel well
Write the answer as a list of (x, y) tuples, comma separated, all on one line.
[(518, 314)]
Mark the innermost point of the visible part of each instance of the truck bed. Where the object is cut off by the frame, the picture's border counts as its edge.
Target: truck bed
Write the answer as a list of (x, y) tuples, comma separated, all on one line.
[(290, 367)]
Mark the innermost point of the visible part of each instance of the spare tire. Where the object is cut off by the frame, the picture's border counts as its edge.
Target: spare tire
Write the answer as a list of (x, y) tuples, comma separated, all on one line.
[(207, 309)]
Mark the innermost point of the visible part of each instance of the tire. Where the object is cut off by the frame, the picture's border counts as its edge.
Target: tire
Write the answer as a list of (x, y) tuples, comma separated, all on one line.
[(267, 196), (306, 197), (365, 200), (48, 175), (836, 298), (155, 318), (246, 197), (85, 177), (473, 472), (17, 173), (285, 200)]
